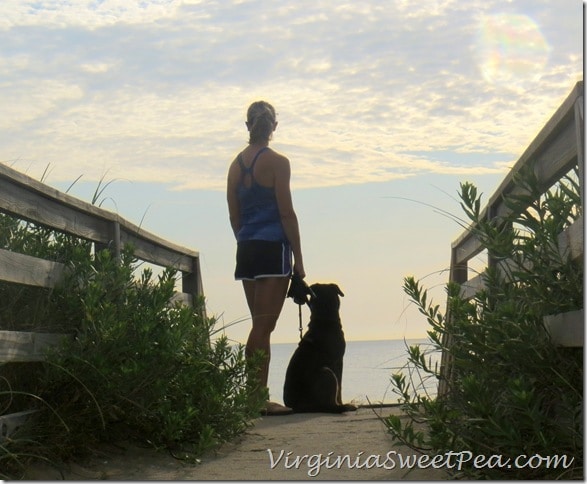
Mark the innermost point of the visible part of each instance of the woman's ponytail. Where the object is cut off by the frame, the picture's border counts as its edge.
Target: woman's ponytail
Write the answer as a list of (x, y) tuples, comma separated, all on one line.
[(261, 121)]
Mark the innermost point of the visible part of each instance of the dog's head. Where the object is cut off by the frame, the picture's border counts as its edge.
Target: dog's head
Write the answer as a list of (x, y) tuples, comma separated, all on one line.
[(325, 302)]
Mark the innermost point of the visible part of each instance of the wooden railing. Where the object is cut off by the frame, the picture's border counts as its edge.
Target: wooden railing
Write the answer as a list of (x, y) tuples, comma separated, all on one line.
[(558, 148), (27, 199)]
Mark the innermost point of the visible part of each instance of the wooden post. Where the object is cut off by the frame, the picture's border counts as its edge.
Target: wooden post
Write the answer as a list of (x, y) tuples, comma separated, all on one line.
[(192, 283), (580, 130), (114, 244), (116, 241), (458, 274)]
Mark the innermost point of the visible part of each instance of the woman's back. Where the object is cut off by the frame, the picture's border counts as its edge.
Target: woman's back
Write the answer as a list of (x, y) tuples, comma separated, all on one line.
[(259, 212)]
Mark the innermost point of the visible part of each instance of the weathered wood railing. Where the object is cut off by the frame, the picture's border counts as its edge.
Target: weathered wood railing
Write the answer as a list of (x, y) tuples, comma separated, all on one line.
[(27, 199), (558, 148)]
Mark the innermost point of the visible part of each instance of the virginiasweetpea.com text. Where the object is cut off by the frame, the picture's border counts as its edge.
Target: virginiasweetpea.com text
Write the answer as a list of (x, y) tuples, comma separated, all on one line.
[(451, 460)]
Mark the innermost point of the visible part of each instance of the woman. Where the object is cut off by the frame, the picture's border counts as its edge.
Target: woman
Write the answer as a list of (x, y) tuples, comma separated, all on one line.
[(266, 229)]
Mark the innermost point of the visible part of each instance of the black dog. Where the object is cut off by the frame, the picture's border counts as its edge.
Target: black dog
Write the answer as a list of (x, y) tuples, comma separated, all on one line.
[(314, 374)]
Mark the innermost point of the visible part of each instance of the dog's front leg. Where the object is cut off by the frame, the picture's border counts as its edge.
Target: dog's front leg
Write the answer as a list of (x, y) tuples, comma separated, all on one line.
[(337, 369)]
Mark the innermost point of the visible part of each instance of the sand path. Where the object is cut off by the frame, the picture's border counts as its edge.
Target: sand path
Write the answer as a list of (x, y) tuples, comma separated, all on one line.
[(272, 449)]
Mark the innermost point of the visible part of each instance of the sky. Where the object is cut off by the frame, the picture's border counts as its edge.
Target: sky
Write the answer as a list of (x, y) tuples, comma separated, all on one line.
[(384, 108)]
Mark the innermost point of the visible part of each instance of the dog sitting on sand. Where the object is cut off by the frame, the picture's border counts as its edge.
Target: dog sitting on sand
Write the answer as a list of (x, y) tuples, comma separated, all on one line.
[(314, 375)]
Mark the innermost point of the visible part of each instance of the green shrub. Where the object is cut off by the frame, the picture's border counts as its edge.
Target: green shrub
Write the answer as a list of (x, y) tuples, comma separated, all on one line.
[(134, 365), (24, 308), (511, 391)]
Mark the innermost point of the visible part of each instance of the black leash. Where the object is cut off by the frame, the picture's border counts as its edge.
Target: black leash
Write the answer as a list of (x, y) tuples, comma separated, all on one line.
[(301, 326), (299, 291)]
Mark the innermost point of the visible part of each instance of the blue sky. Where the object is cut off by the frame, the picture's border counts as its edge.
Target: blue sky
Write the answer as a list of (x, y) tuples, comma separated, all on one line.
[(383, 109)]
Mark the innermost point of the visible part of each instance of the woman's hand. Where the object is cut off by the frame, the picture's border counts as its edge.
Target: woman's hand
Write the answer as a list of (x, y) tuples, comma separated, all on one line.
[(298, 269)]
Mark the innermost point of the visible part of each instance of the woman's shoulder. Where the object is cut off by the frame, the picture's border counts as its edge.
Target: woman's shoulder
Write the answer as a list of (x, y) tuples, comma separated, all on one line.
[(234, 169), (234, 162), (277, 157)]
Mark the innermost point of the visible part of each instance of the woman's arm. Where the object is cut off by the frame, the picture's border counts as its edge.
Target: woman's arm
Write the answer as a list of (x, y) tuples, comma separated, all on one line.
[(232, 198), (289, 218)]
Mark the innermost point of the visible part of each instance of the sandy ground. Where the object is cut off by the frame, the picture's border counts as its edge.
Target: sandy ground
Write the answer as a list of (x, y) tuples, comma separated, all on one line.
[(350, 446)]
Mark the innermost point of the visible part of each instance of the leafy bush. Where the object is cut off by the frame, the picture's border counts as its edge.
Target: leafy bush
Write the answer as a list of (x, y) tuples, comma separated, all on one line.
[(24, 308), (133, 366), (511, 391)]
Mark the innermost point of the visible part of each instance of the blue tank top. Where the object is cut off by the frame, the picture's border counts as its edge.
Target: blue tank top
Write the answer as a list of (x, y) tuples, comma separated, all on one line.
[(260, 219)]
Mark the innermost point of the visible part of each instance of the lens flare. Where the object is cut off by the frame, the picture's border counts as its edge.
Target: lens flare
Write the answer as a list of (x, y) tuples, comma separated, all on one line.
[(511, 49)]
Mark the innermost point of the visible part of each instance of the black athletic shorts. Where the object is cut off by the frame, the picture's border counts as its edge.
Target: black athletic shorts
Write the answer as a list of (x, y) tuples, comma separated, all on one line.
[(256, 259)]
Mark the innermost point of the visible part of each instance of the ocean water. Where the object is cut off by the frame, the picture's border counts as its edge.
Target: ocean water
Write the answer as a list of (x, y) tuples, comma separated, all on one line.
[(367, 369)]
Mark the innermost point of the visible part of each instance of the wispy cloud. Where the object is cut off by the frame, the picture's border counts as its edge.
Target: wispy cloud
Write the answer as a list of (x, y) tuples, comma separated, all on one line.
[(366, 91)]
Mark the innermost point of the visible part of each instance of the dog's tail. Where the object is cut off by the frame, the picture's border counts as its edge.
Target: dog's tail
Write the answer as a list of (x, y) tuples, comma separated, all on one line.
[(347, 407), (341, 408)]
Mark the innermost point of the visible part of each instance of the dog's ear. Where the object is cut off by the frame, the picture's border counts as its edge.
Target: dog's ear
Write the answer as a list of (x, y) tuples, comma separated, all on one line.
[(338, 290)]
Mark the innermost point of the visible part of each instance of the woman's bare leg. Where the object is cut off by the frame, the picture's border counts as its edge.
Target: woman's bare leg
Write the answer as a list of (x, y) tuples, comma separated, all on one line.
[(265, 298)]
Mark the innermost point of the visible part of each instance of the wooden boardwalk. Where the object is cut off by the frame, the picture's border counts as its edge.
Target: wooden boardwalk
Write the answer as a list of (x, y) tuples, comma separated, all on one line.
[(273, 449)]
